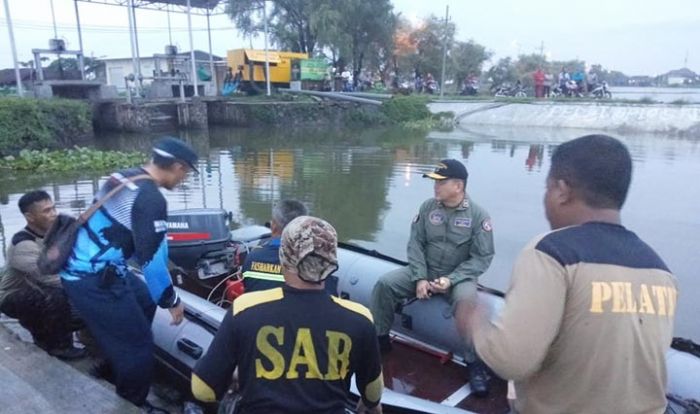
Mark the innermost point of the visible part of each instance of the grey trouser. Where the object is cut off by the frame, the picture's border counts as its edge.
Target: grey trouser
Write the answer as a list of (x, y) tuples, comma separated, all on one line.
[(396, 286)]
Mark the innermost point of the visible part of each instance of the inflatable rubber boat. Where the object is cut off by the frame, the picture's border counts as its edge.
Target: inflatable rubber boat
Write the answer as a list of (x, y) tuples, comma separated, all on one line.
[(425, 373)]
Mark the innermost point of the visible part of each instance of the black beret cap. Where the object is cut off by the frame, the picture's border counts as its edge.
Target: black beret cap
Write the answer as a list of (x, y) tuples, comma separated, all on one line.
[(170, 147)]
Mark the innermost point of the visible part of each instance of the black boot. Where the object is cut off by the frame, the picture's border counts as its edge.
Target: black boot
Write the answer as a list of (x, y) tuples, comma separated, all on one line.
[(62, 348), (478, 378)]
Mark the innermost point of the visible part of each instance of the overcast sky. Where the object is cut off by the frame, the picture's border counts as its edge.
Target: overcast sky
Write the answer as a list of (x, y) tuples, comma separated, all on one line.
[(634, 36)]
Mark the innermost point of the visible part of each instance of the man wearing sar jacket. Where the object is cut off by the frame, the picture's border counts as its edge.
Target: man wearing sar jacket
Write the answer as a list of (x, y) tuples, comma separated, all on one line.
[(296, 347), (116, 305)]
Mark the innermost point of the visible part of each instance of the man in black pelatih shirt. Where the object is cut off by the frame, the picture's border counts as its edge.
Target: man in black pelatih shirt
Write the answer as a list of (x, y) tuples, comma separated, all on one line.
[(296, 347)]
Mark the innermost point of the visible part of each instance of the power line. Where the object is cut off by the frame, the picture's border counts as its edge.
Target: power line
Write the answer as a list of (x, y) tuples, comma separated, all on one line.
[(106, 28)]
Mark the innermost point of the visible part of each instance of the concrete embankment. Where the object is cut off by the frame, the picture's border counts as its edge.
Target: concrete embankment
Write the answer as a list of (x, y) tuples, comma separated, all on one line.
[(682, 120), (199, 114), (288, 114), (34, 382)]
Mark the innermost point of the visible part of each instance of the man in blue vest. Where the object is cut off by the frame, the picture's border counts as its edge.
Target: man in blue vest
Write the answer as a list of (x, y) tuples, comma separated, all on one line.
[(261, 269), (116, 305)]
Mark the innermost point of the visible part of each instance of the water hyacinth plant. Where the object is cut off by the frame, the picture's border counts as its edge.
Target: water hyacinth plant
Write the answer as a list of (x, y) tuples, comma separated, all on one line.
[(77, 158)]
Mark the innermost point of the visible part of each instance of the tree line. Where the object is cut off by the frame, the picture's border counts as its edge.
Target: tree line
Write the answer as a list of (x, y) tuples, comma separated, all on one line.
[(362, 34), (370, 35)]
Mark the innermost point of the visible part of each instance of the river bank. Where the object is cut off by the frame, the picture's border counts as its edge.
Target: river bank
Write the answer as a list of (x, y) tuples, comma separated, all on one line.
[(676, 120), (57, 387), (40, 124), (61, 386), (612, 116)]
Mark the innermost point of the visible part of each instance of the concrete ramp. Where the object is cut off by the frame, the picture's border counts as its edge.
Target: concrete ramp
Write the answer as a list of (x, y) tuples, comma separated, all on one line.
[(680, 120), (34, 382)]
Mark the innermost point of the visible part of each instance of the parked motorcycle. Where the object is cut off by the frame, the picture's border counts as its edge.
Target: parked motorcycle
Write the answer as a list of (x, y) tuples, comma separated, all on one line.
[(601, 91), (556, 92), (432, 87), (403, 88), (508, 91), (573, 90), (470, 88), (569, 89)]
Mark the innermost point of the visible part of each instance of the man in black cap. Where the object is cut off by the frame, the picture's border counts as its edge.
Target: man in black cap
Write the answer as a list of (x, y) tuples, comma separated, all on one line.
[(117, 306), (451, 245)]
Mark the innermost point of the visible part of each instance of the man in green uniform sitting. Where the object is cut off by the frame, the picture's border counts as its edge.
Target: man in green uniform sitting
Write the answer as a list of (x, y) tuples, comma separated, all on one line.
[(451, 245), (296, 347)]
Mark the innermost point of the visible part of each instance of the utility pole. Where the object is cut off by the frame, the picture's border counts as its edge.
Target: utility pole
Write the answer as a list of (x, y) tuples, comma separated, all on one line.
[(267, 60), (542, 50), (81, 58), (134, 63), (192, 55), (18, 77), (444, 52), (53, 18)]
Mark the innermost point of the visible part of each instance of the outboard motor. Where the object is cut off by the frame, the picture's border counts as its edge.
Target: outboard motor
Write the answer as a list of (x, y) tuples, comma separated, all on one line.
[(199, 242)]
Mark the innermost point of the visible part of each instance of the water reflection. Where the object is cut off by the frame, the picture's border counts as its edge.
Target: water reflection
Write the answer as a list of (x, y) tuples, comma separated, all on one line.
[(534, 157), (368, 184), (344, 178)]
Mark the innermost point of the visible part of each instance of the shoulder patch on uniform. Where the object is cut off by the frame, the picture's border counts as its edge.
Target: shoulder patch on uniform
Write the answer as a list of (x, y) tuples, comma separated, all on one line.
[(486, 225), (249, 300), (436, 217), (354, 306)]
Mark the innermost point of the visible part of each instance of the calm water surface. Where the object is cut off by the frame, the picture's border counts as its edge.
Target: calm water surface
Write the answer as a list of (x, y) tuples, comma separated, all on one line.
[(368, 184)]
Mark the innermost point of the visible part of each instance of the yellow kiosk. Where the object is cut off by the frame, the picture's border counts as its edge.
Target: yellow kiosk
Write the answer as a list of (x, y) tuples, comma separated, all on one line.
[(251, 62)]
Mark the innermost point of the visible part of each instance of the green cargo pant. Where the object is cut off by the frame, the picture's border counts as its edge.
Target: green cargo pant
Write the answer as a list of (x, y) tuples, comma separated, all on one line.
[(396, 286)]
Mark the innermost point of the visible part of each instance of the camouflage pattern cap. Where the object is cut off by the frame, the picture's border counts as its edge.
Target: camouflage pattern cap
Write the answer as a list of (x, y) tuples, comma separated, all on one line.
[(309, 246)]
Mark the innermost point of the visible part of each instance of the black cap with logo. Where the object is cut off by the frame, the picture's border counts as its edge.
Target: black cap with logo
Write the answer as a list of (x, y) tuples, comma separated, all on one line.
[(449, 168), (170, 147)]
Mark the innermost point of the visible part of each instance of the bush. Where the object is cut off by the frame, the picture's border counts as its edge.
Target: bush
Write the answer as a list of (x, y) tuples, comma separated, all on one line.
[(406, 108), (27, 123)]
